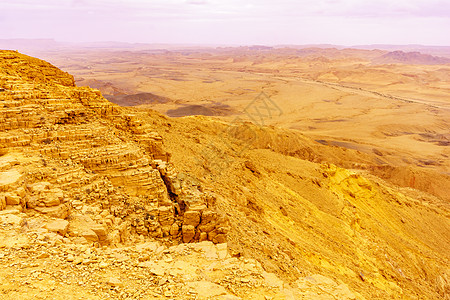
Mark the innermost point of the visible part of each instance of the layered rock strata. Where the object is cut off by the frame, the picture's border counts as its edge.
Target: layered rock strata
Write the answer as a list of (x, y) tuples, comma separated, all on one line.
[(66, 152)]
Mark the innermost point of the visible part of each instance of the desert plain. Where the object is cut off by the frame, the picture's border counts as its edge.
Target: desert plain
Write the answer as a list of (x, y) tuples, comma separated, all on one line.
[(392, 103)]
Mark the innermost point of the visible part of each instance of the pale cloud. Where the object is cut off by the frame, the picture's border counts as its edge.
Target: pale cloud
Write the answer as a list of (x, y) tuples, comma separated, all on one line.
[(233, 21)]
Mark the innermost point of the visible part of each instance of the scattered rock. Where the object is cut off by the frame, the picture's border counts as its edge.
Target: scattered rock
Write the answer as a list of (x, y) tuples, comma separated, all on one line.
[(89, 235), (60, 211), (11, 219), (206, 289), (100, 231), (316, 284), (149, 246), (12, 199), (114, 282), (272, 280), (58, 226), (158, 269)]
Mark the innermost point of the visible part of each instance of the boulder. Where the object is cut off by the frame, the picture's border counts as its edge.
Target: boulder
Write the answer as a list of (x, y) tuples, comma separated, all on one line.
[(53, 198), (219, 239), (61, 211), (174, 229), (58, 226), (100, 231), (188, 233), (12, 199), (203, 237), (208, 216), (89, 235), (208, 222), (40, 187), (191, 217), (208, 227)]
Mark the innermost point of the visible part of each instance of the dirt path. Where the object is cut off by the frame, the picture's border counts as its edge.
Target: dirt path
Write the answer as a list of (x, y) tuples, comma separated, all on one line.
[(373, 94)]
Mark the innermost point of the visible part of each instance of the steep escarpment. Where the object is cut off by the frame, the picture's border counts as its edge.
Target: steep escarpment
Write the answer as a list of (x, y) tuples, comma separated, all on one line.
[(69, 153), (33, 70), (299, 214)]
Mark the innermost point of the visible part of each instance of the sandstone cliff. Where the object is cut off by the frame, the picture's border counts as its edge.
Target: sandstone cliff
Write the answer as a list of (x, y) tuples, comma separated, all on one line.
[(69, 153)]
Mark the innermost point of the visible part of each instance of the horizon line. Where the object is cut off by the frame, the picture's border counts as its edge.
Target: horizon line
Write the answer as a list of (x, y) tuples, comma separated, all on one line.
[(324, 45)]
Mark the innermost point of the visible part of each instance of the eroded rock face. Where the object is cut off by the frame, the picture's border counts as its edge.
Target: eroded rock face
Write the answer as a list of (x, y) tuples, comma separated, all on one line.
[(2, 202), (66, 151)]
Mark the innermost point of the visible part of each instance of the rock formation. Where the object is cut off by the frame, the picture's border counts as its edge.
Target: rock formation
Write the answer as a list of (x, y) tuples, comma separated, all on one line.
[(69, 153)]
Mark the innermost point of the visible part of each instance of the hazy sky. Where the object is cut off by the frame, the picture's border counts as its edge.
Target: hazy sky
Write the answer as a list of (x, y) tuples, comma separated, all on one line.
[(344, 22)]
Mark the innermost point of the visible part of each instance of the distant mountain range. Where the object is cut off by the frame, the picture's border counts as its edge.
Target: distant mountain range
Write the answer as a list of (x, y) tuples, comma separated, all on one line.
[(411, 58), (408, 54)]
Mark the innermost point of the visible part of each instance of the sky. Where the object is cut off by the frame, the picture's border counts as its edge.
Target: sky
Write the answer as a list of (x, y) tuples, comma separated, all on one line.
[(230, 22)]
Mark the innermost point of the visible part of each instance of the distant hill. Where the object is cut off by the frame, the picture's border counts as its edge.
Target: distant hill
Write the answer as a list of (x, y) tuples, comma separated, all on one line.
[(136, 99), (443, 51), (410, 58)]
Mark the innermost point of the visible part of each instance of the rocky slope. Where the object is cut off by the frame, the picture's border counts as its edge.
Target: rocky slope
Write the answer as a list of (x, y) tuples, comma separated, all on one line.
[(64, 146), (92, 206), (298, 213)]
